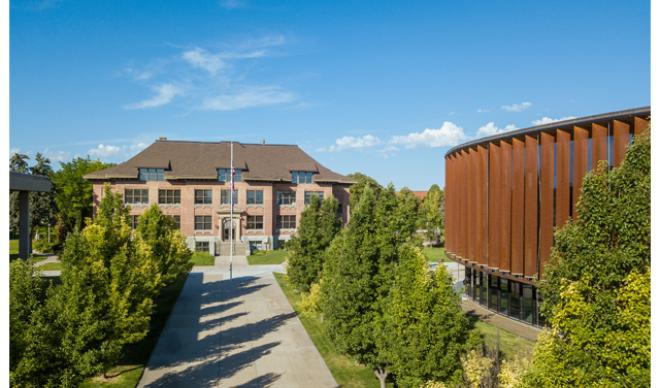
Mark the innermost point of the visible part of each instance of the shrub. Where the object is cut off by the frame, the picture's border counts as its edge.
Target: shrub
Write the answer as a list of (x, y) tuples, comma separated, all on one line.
[(309, 304)]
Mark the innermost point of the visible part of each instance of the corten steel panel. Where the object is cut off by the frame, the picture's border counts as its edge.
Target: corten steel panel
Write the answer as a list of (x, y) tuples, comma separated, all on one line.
[(478, 237), (464, 219), (482, 204), (580, 152), (621, 133), (447, 204), (517, 207), (547, 198), (459, 203), (505, 201), (563, 195), (598, 144), (451, 204), (531, 205), (640, 125), (472, 199), (494, 207)]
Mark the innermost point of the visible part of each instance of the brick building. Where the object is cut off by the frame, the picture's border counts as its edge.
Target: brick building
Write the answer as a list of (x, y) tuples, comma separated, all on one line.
[(189, 180)]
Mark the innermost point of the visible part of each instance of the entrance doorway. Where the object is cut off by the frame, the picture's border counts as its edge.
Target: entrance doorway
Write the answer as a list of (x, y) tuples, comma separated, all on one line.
[(228, 228)]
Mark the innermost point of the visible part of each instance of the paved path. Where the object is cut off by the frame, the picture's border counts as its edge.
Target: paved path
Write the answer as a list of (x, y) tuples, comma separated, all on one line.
[(234, 333)]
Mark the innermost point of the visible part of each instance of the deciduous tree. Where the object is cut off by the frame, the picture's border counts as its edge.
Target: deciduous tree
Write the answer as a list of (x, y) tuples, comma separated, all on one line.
[(596, 286), (319, 223)]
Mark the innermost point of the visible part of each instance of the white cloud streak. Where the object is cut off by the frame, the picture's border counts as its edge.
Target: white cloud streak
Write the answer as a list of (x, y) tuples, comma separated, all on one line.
[(548, 120), (490, 129), (248, 98), (517, 107), (203, 59), (165, 93), (353, 143), (108, 151), (449, 134)]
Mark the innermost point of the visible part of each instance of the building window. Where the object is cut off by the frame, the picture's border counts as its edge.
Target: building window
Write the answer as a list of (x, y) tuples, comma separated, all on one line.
[(255, 197), (310, 194), (151, 174), (286, 198), (203, 197), (177, 221), (134, 221), (224, 175), (286, 222), (301, 176), (169, 196), (255, 222), (201, 246), (203, 223), (136, 196), (224, 197)]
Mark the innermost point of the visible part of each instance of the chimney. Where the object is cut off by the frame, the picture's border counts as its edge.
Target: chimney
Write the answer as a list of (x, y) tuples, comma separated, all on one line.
[(263, 141), (162, 138)]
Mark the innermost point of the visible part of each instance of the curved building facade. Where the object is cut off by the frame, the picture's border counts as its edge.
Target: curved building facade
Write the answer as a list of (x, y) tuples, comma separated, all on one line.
[(506, 194)]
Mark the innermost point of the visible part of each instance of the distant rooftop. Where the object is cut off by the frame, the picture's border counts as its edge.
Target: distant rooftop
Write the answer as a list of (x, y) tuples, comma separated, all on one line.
[(199, 160)]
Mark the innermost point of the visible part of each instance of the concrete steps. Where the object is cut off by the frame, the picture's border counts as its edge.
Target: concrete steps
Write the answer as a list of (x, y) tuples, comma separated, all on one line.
[(223, 249)]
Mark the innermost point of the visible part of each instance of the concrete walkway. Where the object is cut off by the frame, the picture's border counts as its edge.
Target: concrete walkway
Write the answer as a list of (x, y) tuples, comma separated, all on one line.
[(234, 333)]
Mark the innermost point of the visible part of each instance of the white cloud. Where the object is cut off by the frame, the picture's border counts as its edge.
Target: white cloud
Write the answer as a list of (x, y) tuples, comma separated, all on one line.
[(104, 151), (203, 59), (164, 95), (351, 142), (116, 152), (483, 110), (490, 129), (548, 120), (517, 107), (58, 156), (248, 98), (448, 134)]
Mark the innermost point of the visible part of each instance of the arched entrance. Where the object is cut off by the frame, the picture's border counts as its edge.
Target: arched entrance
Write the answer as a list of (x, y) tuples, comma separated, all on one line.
[(228, 229)]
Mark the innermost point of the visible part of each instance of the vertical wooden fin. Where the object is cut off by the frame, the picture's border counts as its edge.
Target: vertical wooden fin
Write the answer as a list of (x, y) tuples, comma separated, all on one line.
[(621, 133), (493, 206), (580, 152), (518, 208), (531, 205), (482, 205), (505, 206), (640, 125), (547, 197), (563, 195), (598, 144)]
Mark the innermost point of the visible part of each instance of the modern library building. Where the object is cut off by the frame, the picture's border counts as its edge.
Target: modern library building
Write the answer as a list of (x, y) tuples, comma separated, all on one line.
[(506, 194)]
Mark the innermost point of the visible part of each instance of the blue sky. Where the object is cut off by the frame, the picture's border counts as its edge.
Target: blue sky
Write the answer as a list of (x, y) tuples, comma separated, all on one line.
[(384, 88)]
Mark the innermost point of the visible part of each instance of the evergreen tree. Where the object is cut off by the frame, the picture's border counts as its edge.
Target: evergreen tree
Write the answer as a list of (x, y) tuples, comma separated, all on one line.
[(41, 204), (166, 244), (432, 213), (319, 223), (349, 290), (104, 302), (73, 194), (425, 330), (361, 181), (596, 287)]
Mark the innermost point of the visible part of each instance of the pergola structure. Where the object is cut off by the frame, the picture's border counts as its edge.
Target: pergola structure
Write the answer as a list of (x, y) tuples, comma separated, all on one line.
[(24, 184)]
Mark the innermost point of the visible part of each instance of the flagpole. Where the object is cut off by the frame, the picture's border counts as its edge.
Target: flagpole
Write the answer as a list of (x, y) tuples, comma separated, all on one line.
[(231, 211)]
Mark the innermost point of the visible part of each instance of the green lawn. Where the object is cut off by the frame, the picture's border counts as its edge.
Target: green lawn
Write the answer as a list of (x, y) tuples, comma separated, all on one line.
[(202, 258), (13, 249), (435, 254), (129, 370), (51, 267), (509, 343), (347, 372), (276, 256)]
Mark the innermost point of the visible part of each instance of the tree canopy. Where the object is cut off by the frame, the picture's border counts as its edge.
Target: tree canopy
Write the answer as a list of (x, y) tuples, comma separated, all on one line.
[(596, 287), (319, 223), (432, 213), (73, 194)]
